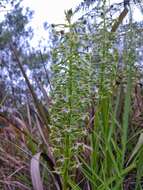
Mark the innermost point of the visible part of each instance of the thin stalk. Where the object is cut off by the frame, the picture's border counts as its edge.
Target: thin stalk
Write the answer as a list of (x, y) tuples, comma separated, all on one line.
[(67, 152)]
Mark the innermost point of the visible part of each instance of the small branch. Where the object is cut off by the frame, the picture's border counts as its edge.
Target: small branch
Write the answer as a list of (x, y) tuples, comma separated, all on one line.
[(119, 20), (47, 75), (45, 116)]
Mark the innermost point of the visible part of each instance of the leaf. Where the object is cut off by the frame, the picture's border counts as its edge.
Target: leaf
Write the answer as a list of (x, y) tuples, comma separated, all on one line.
[(35, 172), (73, 185), (137, 147)]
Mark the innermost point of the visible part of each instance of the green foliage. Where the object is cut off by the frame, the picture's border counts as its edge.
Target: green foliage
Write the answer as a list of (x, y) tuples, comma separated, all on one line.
[(82, 134), (81, 82)]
